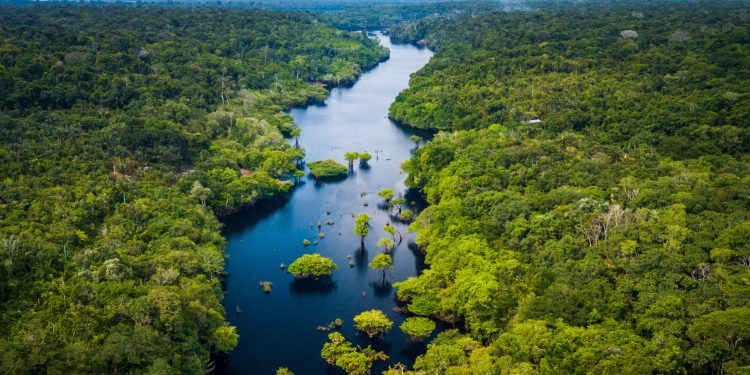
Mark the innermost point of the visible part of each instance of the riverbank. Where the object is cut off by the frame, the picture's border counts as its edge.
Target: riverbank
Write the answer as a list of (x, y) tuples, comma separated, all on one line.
[(279, 329)]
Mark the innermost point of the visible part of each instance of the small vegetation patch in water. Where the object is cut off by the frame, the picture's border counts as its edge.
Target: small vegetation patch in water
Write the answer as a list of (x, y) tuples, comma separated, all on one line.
[(327, 169), (312, 265), (266, 285)]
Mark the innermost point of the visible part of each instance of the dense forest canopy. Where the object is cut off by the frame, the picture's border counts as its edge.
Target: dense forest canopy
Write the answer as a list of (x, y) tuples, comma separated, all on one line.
[(590, 195), (125, 132), (589, 187)]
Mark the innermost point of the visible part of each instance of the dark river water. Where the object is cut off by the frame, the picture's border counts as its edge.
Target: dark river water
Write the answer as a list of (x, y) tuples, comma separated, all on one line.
[(279, 329)]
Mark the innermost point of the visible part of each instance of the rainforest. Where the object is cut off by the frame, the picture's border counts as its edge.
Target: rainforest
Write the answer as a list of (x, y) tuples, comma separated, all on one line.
[(403, 187)]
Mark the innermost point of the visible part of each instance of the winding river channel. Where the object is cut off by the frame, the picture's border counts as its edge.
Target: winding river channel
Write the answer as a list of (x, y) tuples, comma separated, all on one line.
[(279, 328)]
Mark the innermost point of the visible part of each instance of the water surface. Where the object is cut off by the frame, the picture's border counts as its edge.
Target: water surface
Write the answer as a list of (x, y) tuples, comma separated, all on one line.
[(279, 329)]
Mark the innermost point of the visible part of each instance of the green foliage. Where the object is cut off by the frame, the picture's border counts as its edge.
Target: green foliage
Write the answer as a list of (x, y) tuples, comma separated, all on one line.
[(382, 262), (401, 18), (397, 202), (283, 371), (373, 322), (124, 131), (387, 195), (323, 169), (390, 229), (335, 347), (314, 265), (351, 156), (417, 328), (717, 336), (416, 139), (406, 215), (386, 243), (200, 192), (364, 157), (362, 226), (225, 338), (354, 361), (611, 237)]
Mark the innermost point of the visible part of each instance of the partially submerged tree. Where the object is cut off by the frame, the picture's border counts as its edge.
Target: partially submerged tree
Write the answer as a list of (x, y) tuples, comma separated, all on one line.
[(335, 347), (323, 169), (417, 328), (416, 139), (390, 229), (362, 227), (354, 361), (406, 215), (314, 265), (296, 132), (382, 263), (364, 158), (387, 195), (386, 243), (397, 202), (351, 157), (373, 322)]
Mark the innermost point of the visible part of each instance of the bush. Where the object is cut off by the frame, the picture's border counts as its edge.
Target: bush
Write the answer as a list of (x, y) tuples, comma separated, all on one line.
[(406, 215), (373, 322), (312, 265), (417, 328), (323, 169)]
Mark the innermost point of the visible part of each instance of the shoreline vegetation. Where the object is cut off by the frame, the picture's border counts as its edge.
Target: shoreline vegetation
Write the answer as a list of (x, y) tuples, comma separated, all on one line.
[(126, 131), (586, 189), (587, 181)]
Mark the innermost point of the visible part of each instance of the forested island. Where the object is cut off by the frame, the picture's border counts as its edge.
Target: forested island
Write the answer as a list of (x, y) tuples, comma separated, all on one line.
[(587, 184)]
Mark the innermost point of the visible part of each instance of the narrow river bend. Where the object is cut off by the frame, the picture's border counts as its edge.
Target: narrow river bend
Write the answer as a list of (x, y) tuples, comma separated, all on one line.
[(279, 329)]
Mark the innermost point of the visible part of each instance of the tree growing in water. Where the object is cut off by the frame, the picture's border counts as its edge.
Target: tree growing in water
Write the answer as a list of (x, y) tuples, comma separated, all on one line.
[(390, 229), (313, 265), (296, 132), (362, 227), (397, 202), (200, 192), (354, 361), (382, 262), (416, 139), (373, 322), (417, 328), (386, 243), (364, 158), (406, 215), (350, 157), (387, 195)]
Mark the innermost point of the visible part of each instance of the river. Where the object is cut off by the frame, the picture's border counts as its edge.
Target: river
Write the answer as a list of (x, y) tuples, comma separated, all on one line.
[(279, 328)]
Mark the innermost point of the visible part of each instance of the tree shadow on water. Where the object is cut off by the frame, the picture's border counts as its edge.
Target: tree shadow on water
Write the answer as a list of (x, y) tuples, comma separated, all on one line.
[(419, 256), (323, 285), (360, 258), (380, 288), (377, 343), (414, 349)]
